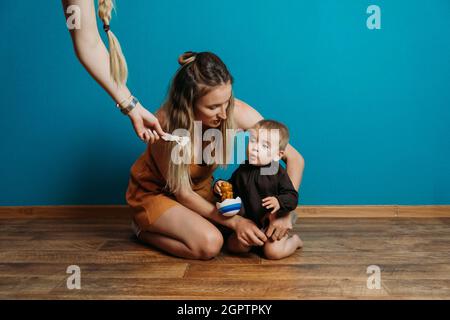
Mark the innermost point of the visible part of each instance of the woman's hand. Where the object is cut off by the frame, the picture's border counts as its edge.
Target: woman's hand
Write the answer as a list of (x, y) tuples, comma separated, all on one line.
[(278, 227), (248, 233), (145, 124)]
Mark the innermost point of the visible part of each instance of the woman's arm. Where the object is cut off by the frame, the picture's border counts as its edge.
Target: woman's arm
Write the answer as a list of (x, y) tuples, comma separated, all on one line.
[(93, 55), (247, 232), (91, 51), (246, 117), (295, 164), (188, 197), (192, 200)]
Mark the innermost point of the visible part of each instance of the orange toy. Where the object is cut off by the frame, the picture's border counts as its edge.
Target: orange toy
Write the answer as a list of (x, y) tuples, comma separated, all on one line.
[(227, 190)]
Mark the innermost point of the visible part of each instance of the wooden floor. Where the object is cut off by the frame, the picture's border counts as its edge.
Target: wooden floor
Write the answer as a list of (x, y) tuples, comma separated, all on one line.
[(37, 246)]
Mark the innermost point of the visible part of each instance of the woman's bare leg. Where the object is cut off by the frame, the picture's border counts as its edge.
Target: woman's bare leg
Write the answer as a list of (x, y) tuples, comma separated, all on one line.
[(165, 243), (184, 233), (283, 248)]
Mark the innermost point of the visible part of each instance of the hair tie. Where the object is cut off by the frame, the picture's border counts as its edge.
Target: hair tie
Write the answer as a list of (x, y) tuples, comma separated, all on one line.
[(182, 60), (106, 27)]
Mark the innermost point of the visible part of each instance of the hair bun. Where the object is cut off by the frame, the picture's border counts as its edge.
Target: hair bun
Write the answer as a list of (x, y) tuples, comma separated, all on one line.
[(186, 57)]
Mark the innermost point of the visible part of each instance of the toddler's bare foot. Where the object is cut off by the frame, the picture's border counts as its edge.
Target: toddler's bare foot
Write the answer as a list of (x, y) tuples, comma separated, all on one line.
[(298, 241)]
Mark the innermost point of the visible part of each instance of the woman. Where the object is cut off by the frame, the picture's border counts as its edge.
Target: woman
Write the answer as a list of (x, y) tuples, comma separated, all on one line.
[(173, 204)]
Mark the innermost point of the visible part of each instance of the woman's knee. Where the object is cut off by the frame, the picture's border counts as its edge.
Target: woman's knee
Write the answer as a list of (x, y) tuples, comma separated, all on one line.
[(209, 245), (202, 238)]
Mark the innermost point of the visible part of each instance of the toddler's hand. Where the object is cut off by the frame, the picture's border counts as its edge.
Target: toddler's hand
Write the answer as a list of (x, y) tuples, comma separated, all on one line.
[(271, 203), (217, 186)]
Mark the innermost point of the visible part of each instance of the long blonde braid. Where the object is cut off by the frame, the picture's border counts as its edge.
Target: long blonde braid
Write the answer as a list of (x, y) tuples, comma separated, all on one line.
[(117, 62)]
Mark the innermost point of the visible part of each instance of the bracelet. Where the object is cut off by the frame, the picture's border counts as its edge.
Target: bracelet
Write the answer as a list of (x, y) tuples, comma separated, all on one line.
[(130, 106), (119, 105)]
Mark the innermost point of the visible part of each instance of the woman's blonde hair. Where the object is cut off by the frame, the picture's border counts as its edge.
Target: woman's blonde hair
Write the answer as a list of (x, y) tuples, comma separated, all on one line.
[(198, 75), (117, 63)]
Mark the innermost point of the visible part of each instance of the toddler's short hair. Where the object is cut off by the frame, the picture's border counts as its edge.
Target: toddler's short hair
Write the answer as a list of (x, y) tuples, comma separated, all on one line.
[(272, 124)]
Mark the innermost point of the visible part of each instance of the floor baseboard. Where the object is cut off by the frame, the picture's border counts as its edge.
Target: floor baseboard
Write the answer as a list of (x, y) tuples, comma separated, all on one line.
[(375, 211), (320, 211)]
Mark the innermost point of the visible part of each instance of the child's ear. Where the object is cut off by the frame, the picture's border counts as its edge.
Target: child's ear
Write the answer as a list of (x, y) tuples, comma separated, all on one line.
[(279, 156)]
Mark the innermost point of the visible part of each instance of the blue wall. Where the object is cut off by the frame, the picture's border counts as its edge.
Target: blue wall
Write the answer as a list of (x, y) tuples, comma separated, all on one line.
[(368, 109)]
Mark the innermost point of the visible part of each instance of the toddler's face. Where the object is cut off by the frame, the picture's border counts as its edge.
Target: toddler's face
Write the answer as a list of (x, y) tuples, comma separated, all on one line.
[(263, 147)]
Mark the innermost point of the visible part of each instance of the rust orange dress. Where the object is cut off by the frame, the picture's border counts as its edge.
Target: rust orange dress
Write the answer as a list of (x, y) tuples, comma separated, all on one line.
[(145, 193)]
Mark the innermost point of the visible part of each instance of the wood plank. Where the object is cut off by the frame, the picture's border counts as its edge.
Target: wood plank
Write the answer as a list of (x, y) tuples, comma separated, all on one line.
[(73, 257), (223, 258), (160, 270), (346, 258), (31, 285), (318, 271), (51, 245), (75, 236), (114, 257), (224, 289)]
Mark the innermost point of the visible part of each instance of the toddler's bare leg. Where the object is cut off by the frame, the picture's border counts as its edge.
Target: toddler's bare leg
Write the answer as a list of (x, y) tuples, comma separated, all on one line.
[(233, 245), (283, 248)]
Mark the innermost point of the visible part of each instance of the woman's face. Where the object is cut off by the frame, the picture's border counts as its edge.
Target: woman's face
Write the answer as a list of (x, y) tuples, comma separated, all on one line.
[(211, 109)]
